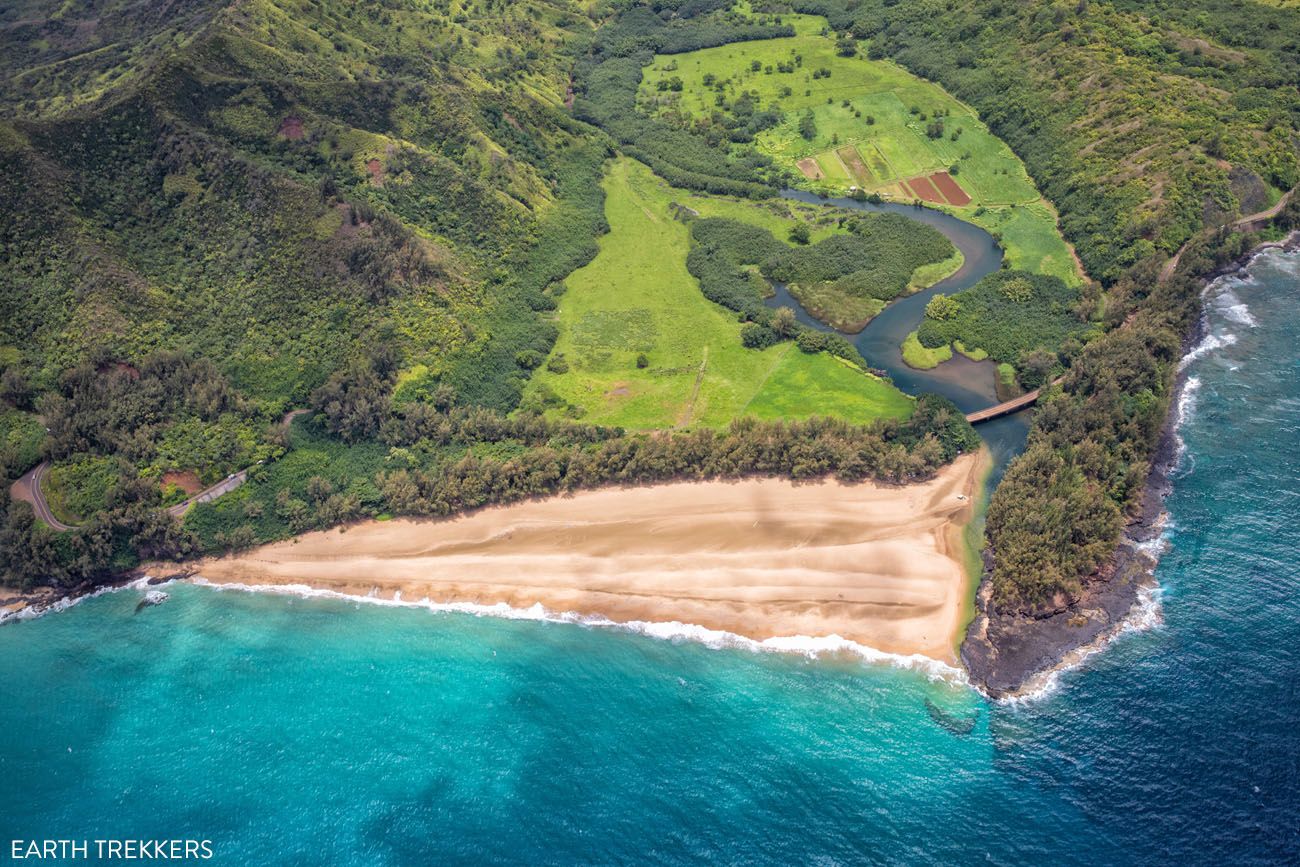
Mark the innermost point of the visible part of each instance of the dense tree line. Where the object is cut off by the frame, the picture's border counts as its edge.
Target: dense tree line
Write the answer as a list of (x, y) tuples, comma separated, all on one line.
[(441, 462), (798, 450)]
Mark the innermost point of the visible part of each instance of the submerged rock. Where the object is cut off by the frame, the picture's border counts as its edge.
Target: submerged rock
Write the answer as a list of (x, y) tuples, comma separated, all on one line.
[(153, 597), (955, 724)]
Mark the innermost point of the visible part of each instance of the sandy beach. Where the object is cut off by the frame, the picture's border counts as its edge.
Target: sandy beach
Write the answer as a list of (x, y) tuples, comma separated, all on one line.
[(879, 565)]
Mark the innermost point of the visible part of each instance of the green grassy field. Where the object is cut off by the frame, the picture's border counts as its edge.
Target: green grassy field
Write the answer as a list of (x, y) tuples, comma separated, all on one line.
[(871, 122), (801, 385), (636, 297)]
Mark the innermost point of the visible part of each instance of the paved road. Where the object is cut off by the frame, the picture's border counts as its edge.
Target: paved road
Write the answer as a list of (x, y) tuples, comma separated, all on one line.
[(231, 482), (225, 486), (1245, 222), (28, 489)]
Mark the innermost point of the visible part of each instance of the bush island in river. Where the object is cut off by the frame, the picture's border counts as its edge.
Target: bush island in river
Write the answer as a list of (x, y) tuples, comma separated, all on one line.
[(1006, 315), (843, 280)]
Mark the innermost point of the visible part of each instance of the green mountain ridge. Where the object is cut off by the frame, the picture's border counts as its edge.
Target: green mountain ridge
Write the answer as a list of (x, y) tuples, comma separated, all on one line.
[(251, 168)]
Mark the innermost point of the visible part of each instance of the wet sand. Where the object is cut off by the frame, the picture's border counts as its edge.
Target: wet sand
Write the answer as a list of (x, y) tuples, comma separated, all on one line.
[(879, 565)]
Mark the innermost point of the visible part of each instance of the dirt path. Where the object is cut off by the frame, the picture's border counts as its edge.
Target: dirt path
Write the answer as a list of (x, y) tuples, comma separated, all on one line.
[(688, 411)]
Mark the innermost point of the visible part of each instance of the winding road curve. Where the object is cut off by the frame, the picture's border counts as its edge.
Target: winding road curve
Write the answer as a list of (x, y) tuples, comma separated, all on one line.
[(28, 488), (1247, 222)]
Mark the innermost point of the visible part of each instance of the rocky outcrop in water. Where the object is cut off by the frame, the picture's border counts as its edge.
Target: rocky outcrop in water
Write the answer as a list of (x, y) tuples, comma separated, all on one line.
[(151, 598)]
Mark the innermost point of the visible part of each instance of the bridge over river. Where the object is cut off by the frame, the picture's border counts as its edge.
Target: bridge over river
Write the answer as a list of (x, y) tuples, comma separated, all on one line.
[(1007, 407)]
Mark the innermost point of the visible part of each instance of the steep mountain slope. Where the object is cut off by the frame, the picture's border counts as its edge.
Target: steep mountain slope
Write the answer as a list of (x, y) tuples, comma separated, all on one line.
[(281, 184)]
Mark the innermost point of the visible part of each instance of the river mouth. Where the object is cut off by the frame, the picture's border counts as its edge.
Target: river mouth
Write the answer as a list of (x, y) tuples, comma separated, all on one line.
[(969, 384)]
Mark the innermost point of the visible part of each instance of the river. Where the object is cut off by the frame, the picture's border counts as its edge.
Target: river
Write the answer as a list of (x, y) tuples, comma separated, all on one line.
[(970, 385)]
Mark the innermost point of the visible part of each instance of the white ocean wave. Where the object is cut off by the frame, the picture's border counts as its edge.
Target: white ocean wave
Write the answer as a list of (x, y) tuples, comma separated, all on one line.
[(808, 646), (1183, 413), (1227, 304), (63, 603), (1211, 342)]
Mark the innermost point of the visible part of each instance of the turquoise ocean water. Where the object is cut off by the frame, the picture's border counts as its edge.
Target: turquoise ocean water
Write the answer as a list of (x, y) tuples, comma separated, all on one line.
[(312, 731)]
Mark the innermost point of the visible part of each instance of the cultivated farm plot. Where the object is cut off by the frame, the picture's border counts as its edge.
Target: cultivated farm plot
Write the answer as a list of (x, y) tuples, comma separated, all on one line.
[(856, 166), (949, 189), (925, 191), (810, 169), (881, 113), (832, 168)]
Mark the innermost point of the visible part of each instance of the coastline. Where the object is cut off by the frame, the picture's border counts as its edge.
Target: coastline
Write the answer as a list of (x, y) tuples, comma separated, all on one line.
[(783, 565), (1009, 655)]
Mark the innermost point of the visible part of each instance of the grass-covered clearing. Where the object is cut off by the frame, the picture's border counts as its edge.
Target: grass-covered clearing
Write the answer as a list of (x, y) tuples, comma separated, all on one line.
[(874, 126), (637, 298), (801, 384), (927, 275), (923, 357)]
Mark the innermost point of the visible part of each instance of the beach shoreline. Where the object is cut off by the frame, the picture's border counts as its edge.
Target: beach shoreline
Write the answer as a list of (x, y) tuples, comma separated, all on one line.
[(882, 566)]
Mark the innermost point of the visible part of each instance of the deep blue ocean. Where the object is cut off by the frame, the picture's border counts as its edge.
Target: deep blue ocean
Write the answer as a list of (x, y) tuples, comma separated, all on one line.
[(317, 731)]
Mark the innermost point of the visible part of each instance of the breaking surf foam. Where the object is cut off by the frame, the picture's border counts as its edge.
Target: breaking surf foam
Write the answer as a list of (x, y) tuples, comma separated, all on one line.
[(809, 646)]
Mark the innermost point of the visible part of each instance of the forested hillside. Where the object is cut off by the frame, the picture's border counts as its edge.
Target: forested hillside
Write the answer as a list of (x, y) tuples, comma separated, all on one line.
[(268, 194), (290, 184)]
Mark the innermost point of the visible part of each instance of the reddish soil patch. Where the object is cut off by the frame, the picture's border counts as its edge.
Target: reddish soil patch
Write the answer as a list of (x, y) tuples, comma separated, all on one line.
[(186, 481), (347, 228), (291, 128), (950, 189), (810, 169), (376, 169), (130, 371), (852, 160), (925, 190)]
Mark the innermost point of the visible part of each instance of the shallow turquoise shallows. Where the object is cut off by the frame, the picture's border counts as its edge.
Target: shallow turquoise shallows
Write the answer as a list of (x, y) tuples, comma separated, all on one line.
[(316, 731)]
